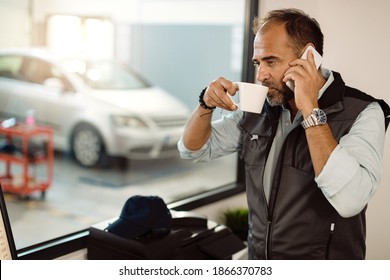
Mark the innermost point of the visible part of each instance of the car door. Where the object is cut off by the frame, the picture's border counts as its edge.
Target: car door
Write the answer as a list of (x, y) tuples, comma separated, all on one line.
[(11, 85), (29, 92)]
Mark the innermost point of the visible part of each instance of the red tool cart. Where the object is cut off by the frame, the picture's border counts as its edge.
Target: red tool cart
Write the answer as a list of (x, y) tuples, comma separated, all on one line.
[(26, 148)]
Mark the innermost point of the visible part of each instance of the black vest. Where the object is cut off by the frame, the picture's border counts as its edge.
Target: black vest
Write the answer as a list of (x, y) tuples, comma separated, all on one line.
[(299, 222)]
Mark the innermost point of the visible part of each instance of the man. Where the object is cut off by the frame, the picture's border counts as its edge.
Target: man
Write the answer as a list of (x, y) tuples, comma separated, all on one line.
[(312, 157)]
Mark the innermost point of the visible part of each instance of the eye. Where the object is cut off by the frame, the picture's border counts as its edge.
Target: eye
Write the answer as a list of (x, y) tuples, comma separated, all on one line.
[(271, 62), (256, 64)]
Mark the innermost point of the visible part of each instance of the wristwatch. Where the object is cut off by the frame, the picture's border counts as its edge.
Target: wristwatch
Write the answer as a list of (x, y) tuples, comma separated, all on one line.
[(317, 117)]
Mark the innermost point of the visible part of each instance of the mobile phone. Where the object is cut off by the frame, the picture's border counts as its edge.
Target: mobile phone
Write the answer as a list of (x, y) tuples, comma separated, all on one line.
[(317, 60)]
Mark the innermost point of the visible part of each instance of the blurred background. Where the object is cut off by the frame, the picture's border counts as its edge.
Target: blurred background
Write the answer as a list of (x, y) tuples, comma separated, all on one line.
[(115, 81)]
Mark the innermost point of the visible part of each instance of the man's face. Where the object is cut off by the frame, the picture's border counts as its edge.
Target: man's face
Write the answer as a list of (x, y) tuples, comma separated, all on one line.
[(272, 55)]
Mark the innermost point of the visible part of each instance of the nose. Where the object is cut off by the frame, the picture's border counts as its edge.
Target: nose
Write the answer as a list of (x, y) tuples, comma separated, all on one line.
[(262, 73)]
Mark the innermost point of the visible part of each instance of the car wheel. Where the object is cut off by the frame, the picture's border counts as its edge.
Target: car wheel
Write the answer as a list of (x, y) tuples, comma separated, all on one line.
[(87, 146)]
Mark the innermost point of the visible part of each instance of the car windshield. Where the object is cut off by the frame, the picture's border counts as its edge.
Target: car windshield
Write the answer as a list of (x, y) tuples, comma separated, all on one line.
[(105, 75)]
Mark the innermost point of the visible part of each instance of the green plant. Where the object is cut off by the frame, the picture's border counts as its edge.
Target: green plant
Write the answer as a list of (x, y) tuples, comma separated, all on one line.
[(237, 220)]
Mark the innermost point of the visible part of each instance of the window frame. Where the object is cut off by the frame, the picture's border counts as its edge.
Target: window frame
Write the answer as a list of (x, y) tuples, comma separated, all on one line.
[(76, 241)]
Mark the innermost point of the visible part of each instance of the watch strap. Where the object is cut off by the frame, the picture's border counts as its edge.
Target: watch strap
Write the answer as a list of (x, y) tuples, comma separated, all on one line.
[(317, 117)]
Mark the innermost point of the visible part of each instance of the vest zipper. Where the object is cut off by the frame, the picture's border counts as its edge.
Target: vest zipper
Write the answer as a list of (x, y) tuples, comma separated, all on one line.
[(267, 253), (332, 225), (271, 204), (268, 231)]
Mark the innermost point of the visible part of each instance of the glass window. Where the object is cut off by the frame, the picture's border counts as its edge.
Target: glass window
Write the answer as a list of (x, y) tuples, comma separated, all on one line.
[(115, 133), (10, 66), (36, 71)]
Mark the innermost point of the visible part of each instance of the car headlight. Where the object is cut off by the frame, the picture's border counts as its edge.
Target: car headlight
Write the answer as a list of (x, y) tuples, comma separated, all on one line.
[(128, 121)]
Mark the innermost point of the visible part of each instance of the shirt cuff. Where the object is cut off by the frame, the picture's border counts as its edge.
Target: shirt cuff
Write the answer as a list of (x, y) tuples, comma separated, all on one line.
[(188, 154), (337, 172)]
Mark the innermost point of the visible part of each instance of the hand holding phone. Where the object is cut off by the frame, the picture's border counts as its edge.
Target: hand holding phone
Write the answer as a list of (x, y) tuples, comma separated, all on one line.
[(317, 60)]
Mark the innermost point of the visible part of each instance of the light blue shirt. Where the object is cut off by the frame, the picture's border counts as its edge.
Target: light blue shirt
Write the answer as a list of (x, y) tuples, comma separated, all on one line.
[(352, 173)]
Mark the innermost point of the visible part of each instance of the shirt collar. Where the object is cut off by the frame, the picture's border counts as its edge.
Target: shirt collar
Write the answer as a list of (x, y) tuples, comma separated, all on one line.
[(328, 75)]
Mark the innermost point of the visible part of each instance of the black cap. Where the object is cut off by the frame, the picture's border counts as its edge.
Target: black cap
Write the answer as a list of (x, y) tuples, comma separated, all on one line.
[(140, 215)]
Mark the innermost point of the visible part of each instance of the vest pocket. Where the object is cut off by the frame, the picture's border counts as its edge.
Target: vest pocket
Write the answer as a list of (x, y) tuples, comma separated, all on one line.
[(254, 149)]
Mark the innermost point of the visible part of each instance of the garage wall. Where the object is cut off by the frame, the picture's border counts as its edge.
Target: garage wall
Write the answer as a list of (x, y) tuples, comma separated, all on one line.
[(143, 26), (15, 29), (156, 45)]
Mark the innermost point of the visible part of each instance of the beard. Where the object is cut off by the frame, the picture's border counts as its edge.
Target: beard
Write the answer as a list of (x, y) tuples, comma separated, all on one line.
[(278, 95)]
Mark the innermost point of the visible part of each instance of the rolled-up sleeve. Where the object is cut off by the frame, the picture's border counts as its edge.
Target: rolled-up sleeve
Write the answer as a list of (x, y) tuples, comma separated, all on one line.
[(225, 139), (353, 171)]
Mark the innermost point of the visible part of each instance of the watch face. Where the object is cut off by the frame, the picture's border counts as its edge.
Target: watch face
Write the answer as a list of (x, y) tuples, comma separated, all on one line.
[(320, 116)]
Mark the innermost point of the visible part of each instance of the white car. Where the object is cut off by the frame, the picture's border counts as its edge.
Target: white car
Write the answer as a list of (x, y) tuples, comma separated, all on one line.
[(97, 109)]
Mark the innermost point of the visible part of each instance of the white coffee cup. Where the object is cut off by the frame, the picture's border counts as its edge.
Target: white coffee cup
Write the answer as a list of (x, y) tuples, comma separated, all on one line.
[(251, 96)]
